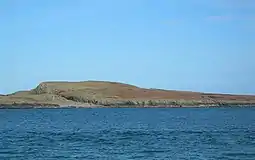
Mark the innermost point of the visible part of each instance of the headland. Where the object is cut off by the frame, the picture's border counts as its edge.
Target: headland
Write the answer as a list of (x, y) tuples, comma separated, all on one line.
[(95, 94)]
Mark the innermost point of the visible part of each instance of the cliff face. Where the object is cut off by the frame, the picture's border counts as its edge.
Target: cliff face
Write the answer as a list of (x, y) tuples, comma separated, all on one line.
[(100, 93)]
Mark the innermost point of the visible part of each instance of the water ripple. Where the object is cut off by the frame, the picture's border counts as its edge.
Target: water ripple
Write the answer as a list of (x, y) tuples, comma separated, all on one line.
[(70, 136)]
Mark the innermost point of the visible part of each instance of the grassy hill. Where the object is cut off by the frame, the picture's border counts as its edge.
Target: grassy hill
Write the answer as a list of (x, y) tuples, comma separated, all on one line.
[(101, 93)]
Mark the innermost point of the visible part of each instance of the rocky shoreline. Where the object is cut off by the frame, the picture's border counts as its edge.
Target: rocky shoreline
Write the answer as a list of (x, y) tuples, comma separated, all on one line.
[(100, 94), (52, 106)]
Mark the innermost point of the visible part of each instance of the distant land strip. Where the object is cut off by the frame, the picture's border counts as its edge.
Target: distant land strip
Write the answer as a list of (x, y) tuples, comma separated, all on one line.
[(104, 94)]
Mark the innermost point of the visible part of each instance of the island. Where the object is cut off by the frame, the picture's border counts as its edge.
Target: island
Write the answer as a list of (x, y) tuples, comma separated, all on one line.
[(93, 94)]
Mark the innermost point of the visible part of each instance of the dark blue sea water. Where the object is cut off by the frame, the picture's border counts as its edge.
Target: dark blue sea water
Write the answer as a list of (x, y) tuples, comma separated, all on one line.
[(144, 134)]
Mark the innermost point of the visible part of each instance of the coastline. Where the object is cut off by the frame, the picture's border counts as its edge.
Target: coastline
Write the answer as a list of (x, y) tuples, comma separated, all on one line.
[(56, 106), (102, 94)]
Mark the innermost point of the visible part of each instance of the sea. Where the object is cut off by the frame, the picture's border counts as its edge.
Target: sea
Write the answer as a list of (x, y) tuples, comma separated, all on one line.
[(128, 134)]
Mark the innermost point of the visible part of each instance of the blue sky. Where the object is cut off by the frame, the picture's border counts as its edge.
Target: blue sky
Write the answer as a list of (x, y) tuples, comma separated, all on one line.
[(198, 45)]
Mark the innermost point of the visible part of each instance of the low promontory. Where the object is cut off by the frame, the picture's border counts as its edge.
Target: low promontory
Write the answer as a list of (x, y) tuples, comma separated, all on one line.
[(113, 94)]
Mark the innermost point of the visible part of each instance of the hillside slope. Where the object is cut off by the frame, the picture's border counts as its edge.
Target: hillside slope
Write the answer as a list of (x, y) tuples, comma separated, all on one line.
[(101, 93)]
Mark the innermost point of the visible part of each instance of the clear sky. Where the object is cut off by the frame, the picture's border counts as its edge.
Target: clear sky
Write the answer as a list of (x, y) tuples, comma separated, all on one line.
[(198, 45)]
